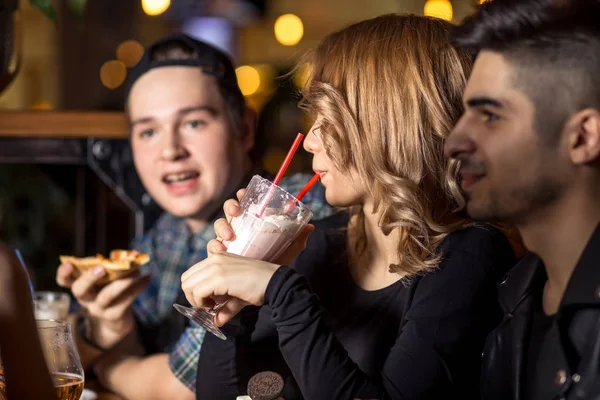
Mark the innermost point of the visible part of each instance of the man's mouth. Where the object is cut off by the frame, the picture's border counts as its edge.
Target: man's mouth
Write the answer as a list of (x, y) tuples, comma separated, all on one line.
[(467, 180), (180, 177)]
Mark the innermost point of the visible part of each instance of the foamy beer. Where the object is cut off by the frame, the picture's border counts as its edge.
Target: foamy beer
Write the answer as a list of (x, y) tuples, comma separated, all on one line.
[(51, 305), (62, 358)]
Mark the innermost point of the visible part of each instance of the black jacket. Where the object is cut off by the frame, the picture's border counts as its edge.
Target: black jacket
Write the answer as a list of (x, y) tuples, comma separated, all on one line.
[(575, 372)]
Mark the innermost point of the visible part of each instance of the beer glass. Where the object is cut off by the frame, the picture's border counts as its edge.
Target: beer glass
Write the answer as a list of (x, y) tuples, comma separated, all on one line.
[(62, 358)]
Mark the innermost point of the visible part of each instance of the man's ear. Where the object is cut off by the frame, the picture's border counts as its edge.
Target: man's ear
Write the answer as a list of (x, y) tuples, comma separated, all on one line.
[(248, 128), (584, 136)]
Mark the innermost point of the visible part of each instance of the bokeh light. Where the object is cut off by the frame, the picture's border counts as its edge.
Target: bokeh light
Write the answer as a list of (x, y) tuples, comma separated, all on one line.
[(113, 74), (289, 29), (438, 9), (248, 79), (129, 52), (155, 7)]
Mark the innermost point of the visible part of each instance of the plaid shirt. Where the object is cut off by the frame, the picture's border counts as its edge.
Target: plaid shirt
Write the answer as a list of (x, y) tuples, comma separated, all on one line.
[(173, 249)]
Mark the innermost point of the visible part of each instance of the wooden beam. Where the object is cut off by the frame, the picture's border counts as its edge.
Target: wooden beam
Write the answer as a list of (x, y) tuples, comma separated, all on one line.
[(63, 124)]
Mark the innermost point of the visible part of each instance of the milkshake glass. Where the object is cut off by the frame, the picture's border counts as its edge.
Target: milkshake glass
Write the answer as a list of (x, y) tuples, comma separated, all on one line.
[(271, 219)]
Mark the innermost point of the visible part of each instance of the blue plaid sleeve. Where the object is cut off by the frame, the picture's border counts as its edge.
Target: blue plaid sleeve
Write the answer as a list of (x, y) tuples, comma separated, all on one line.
[(183, 359), (167, 245), (145, 305)]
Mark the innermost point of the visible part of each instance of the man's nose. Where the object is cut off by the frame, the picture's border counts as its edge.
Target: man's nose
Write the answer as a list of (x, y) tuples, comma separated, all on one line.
[(173, 148), (458, 143)]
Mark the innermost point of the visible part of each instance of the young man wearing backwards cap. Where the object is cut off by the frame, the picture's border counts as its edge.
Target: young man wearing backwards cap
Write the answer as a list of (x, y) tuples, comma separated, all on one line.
[(191, 134)]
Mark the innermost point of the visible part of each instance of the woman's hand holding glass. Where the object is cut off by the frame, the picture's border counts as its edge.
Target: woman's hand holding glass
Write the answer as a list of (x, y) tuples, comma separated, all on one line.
[(243, 280), (225, 233)]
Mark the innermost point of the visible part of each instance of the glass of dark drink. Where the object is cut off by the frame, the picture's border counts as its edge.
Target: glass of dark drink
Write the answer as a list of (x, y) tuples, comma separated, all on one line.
[(62, 358)]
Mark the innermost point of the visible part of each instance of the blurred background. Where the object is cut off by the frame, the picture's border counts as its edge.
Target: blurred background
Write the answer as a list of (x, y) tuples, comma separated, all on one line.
[(67, 185)]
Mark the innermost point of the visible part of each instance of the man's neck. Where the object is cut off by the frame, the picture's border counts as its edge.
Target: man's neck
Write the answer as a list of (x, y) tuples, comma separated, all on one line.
[(559, 236), (195, 224)]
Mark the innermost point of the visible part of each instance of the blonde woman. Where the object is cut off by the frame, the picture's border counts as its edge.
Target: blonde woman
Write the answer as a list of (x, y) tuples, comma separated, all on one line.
[(394, 298)]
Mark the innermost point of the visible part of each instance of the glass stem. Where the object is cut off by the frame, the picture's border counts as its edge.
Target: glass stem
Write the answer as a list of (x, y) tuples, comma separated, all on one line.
[(217, 307)]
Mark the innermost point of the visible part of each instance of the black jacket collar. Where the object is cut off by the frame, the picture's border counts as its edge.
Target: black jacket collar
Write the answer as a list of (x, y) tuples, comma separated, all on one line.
[(584, 286), (529, 274)]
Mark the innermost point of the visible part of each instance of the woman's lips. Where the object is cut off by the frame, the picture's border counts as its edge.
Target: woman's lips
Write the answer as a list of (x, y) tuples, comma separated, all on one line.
[(321, 173)]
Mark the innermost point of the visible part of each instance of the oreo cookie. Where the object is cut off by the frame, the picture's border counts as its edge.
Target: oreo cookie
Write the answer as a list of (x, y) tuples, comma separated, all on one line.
[(265, 386)]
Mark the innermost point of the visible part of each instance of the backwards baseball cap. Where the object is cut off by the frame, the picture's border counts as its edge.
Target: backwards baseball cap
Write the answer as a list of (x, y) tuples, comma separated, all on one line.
[(209, 59)]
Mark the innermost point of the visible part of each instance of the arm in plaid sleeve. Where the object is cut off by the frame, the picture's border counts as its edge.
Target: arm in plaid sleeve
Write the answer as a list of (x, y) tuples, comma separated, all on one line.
[(132, 375), (141, 378), (145, 306), (183, 359)]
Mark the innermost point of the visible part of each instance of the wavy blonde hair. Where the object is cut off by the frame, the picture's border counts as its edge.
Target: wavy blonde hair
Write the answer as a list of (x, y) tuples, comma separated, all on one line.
[(389, 92)]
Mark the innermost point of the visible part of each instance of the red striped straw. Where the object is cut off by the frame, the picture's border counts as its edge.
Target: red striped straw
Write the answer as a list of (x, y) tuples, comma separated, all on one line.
[(281, 172)]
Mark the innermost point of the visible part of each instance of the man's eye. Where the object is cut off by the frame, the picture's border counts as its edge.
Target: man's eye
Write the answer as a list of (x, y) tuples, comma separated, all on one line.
[(195, 123), (490, 116), (146, 133)]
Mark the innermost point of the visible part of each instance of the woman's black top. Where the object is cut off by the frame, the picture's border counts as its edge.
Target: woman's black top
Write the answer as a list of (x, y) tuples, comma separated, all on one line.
[(331, 339)]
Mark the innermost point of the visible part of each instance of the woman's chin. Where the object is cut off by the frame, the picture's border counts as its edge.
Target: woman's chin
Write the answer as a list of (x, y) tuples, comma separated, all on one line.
[(335, 200)]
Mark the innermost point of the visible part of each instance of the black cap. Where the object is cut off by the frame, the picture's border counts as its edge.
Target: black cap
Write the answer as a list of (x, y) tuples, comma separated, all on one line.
[(211, 60)]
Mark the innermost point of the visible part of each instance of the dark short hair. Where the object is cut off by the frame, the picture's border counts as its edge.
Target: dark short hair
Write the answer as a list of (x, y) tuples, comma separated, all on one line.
[(554, 46)]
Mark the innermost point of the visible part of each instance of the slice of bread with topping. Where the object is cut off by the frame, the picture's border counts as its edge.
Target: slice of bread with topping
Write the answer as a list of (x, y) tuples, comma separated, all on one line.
[(120, 263)]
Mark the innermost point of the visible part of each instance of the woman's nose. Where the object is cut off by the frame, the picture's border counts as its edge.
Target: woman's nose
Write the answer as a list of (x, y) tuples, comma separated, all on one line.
[(312, 143)]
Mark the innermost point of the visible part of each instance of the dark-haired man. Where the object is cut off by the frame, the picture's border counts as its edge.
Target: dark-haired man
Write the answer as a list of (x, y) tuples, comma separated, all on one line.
[(529, 145), (191, 134)]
